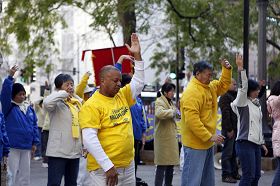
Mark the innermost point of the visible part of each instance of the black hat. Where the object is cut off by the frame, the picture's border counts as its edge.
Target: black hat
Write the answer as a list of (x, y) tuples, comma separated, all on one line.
[(17, 87)]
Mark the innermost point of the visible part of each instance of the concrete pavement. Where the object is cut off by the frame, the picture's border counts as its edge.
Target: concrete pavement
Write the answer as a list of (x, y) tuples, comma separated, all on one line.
[(146, 172)]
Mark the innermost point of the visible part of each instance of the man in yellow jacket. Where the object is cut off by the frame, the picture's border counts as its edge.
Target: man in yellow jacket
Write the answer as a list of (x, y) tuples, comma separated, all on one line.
[(199, 116)]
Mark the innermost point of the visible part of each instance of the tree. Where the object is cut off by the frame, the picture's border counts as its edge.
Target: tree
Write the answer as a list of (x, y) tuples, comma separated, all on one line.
[(207, 30), (32, 24)]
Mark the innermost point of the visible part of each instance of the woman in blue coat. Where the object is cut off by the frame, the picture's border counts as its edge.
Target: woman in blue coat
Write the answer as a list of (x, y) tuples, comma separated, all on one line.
[(22, 130)]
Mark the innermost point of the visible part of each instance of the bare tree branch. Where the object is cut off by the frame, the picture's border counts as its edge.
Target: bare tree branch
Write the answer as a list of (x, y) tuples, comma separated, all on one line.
[(201, 14), (55, 8), (190, 30), (274, 11), (275, 45)]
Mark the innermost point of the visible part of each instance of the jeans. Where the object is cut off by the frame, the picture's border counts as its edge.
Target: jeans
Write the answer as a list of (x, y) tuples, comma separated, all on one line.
[(276, 180), (250, 158), (38, 152), (59, 167), (166, 172), (229, 163), (198, 167), (126, 176)]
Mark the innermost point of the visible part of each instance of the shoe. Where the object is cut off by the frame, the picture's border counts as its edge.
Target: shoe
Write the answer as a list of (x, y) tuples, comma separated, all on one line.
[(37, 158), (138, 179), (229, 179), (45, 165), (237, 177), (141, 183)]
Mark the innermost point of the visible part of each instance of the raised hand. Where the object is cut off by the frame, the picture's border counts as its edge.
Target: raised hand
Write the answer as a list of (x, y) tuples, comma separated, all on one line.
[(13, 70), (89, 73), (123, 57), (47, 86), (239, 61), (225, 63), (135, 48)]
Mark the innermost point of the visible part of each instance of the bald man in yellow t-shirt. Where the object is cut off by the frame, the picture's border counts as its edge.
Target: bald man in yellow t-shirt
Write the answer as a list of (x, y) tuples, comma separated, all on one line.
[(106, 124)]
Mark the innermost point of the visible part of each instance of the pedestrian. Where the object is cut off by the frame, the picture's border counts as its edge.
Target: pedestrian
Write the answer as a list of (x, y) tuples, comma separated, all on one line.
[(229, 130), (4, 150), (166, 148), (249, 140), (22, 130), (64, 143), (273, 107), (41, 115), (106, 124), (45, 129), (199, 108)]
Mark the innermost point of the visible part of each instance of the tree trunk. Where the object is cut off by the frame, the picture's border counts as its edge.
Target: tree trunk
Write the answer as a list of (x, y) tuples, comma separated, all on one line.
[(127, 18)]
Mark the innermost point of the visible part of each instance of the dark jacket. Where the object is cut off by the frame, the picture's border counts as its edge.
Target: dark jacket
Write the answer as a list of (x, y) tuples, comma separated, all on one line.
[(229, 118)]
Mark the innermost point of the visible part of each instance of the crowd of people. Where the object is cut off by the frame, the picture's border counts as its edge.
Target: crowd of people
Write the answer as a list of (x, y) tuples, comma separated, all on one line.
[(93, 136)]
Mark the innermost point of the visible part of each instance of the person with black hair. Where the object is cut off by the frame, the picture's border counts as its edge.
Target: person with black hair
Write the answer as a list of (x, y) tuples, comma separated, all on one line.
[(64, 143), (249, 138), (166, 149), (199, 109), (273, 107), (22, 129)]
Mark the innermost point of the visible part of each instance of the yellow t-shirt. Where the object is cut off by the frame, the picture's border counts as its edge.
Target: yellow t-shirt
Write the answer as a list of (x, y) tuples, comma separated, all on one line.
[(112, 118)]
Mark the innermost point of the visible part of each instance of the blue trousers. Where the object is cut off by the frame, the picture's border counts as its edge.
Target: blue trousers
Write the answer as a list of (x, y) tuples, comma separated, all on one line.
[(250, 158), (198, 169), (276, 180), (59, 167)]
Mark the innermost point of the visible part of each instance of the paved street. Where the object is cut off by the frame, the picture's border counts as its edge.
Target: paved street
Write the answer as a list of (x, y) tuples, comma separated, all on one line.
[(146, 172)]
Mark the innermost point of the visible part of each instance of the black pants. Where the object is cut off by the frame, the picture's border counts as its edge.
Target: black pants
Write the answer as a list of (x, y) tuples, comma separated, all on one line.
[(166, 172), (59, 167), (137, 147), (229, 163), (45, 138)]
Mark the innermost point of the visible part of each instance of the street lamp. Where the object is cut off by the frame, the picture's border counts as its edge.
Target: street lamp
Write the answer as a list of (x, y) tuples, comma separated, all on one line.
[(246, 35)]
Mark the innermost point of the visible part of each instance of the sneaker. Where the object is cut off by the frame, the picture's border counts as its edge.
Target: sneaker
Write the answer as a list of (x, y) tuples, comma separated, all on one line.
[(138, 179), (37, 158), (229, 179), (45, 165)]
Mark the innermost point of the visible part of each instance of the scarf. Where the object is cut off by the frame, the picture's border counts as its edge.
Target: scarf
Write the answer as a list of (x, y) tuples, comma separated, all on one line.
[(74, 106), (22, 106), (255, 101)]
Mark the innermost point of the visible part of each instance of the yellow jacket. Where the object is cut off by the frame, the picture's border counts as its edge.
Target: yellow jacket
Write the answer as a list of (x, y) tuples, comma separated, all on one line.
[(82, 85), (199, 110)]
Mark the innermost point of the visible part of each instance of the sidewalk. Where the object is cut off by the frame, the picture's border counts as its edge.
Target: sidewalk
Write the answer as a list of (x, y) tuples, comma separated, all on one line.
[(146, 172)]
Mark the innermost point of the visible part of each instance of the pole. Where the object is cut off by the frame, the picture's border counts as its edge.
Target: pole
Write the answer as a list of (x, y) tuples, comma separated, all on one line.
[(246, 35), (177, 67), (262, 65)]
